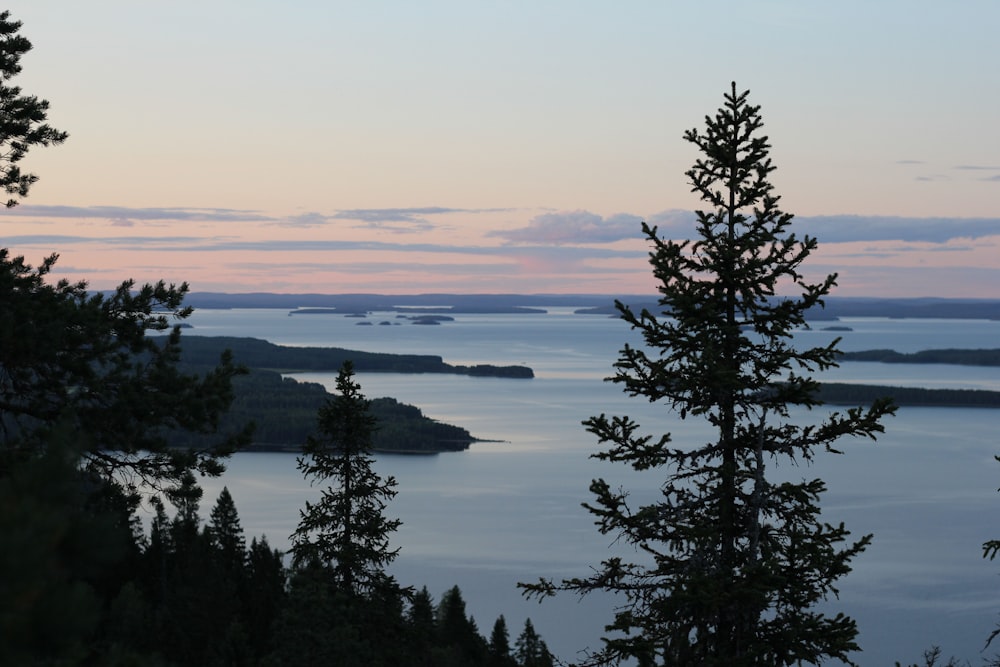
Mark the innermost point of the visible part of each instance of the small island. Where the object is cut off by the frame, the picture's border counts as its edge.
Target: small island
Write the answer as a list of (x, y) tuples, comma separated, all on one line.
[(430, 319)]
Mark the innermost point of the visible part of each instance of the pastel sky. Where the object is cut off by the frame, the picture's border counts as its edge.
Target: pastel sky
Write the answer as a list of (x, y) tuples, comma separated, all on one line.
[(500, 147)]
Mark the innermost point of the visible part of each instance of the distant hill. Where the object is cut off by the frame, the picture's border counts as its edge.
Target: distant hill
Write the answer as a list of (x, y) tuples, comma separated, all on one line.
[(586, 304)]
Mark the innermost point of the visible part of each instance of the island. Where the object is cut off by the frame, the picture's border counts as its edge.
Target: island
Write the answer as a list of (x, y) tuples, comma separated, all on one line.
[(836, 393), (258, 353), (283, 410), (283, 413)]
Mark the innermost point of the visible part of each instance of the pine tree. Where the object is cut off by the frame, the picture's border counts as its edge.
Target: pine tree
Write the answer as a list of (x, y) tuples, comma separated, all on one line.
[(733, 563), (346, 530), (69, 359), (23, 116)]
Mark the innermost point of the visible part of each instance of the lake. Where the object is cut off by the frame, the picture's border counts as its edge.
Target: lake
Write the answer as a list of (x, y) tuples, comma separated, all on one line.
[(509, 510)]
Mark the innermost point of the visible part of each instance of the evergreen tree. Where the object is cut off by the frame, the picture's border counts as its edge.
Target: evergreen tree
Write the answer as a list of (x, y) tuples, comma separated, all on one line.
[(420, 629), (458, 638), (263, 593), (226, 533), (500, 643), (339, 588), (733, 563), (311, 628), (346, 530), (530, 650), (22, 117)]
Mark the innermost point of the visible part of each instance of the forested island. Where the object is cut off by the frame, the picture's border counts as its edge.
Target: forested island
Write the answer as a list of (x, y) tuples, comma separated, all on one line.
[(838, 393), (284, 410), (982, 357), (261, 354), (845, 394)]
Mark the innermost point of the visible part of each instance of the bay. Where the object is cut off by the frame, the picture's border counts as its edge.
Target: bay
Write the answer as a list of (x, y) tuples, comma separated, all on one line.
[(509, 511)]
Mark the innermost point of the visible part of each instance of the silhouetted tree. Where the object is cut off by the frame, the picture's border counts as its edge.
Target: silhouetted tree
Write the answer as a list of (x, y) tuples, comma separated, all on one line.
[(263, 593), (341, 545), (458, 638), (500, 644), (226, 533), (420, 629), (89, 360), (22, 117), (530, 649), (347, 529), (733, 564)]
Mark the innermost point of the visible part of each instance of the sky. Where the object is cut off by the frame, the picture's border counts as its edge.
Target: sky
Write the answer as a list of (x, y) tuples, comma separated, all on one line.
[(403, 147)]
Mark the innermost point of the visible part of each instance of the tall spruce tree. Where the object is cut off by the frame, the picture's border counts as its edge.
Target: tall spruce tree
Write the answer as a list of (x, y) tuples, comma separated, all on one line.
[(346, 530), (733, 562)]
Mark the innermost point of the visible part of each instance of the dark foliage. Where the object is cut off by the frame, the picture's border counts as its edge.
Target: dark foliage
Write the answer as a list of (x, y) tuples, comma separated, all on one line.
[(84, 361), (22, 117)]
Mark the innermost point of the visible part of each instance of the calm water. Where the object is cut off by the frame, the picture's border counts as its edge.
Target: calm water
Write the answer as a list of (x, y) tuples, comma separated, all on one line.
[(509, 511)]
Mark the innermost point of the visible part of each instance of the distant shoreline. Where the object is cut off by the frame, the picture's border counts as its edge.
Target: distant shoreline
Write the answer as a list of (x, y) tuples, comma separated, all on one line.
[(592, 304)]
